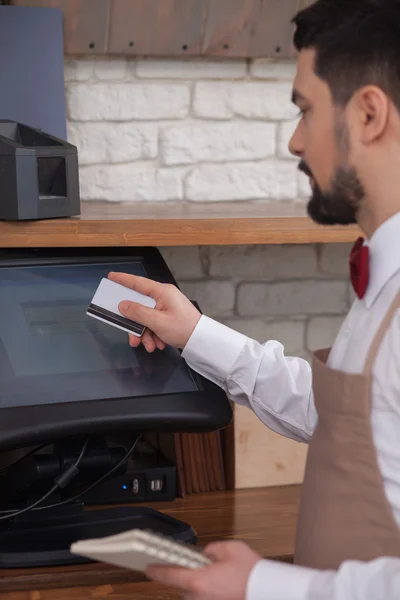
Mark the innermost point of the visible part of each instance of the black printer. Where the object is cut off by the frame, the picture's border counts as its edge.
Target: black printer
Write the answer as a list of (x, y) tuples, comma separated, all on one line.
[(38, 174)]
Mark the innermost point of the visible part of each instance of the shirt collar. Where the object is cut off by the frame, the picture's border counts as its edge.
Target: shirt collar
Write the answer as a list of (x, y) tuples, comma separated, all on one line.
[(384, 249)]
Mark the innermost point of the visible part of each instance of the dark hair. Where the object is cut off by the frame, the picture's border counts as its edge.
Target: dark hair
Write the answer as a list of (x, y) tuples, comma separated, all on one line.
[(357, 43)]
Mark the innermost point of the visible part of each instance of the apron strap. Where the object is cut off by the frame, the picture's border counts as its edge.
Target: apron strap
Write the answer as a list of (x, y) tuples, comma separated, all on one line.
[(376, 344)]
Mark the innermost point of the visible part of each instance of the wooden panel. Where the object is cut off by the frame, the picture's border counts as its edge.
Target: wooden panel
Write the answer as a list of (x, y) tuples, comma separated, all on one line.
[(152, 27), (305, 3), (254, 442), (229, 27), (85, 23), (273, 35), (228, 448), (175, 224), (264, 518)]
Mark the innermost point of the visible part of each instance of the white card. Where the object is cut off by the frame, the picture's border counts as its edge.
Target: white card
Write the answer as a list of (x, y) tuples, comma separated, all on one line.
[(105, 302)]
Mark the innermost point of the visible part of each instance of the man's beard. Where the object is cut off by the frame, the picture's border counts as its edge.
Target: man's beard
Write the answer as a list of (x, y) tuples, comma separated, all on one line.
[(339, 205)]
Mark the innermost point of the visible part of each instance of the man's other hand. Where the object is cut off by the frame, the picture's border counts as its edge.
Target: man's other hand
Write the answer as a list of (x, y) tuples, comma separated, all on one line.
[(225, 579), (172, 321)]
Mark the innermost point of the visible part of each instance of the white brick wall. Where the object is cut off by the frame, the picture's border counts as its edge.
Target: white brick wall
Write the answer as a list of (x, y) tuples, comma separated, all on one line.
[(114, 182), (251, 100), (191, 69), (292, 298), (269, 292), (217, 142), (321, 332), (103, 143), (128, 101), (270, 69), (268, 180), (229, 121), (198, 131), (334, 259), (269, 263), (214, 297)]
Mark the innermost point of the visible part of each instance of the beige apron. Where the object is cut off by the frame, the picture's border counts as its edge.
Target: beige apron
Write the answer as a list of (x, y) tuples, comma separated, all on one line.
[(344, 513)]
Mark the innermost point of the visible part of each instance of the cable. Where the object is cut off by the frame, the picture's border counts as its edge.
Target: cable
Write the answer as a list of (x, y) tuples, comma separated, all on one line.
[(82, 454), (19, 460), (92, 485), (60, 482), (64, 479), (67, 476), (31, 506)]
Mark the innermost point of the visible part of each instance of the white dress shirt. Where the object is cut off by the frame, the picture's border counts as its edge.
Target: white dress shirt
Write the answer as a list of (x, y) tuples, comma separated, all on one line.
[(279, 390)]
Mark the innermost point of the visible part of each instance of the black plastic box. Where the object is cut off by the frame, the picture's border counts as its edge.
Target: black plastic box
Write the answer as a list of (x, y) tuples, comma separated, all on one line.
[(39, 176)]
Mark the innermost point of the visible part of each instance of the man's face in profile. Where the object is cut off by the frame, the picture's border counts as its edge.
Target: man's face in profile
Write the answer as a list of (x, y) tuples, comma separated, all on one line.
[(322, 142)]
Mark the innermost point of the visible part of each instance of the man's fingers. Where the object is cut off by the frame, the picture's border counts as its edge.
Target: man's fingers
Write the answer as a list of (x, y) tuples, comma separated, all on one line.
[(148, 341), (159, 343), (145, 286), (218, 550), (141, 314), (182, 579), (134, 341)]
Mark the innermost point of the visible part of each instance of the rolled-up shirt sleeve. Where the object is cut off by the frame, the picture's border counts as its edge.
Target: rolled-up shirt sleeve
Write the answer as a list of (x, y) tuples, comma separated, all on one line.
[(277, 388)]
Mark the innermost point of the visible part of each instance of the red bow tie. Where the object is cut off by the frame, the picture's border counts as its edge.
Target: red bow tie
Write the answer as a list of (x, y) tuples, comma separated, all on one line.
[(359, 267)]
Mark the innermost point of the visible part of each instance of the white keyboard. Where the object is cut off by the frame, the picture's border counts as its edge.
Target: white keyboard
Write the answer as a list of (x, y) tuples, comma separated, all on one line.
[(136, 549)]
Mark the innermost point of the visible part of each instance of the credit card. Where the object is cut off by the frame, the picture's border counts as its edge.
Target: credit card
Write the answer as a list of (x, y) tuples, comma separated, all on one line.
[(105, 302)]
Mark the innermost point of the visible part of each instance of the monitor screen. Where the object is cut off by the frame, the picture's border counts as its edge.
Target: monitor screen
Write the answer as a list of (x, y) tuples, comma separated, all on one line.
[(51, 352)]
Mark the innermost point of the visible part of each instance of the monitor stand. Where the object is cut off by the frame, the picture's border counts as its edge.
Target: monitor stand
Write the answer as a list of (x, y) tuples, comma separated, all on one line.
[(43, 539)]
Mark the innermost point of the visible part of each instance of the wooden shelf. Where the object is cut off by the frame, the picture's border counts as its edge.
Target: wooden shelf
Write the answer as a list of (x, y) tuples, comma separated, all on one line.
[(175, 224)]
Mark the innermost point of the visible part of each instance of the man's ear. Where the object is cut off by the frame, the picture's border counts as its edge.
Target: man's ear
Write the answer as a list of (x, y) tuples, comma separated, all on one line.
[(372, 109)]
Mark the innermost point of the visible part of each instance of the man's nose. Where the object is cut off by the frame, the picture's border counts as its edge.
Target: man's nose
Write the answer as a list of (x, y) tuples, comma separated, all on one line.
[(296, 145)]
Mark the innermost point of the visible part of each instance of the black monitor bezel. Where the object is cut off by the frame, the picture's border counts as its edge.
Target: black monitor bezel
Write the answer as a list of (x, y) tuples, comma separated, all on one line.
[(204, 410)]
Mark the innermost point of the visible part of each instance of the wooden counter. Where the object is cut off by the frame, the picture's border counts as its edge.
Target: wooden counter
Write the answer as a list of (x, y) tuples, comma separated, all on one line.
[(175, 224), (264, 518)]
